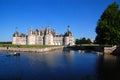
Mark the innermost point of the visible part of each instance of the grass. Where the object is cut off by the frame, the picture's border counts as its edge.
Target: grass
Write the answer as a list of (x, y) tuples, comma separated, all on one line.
[(92, 45), (26, 46), (43, 46)]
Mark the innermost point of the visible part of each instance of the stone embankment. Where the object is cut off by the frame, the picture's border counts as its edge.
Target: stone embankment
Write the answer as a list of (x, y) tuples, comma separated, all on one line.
[(117, 51), (103, 49), (109, 50), (30, 49)]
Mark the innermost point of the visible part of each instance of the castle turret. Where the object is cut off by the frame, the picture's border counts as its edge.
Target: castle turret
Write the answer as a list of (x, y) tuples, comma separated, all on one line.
[(42, 31), (19, 39), (30, 31), (39, 32), (54, 32), (49, 30), (68, 37), (16, 34), (48, 38), (31, 37), (68, 28), (46, 31), (15, 37)]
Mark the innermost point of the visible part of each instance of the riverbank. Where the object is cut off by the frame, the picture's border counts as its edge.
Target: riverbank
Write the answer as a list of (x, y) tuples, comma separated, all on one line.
[(116, 52), (17, 49), (103, 49)]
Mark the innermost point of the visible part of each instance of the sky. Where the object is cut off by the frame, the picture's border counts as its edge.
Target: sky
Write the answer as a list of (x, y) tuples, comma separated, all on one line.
[(80, 15)]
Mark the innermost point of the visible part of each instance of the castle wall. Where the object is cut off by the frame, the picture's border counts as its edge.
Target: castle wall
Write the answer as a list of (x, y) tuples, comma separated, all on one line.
[(15, 40), (19, 40), (40, 40), (31, 39), (49, 39), (58, 40), (22, 40)]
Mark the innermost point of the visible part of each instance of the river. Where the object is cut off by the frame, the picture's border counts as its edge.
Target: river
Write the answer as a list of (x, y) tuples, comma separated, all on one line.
[(59, 65)]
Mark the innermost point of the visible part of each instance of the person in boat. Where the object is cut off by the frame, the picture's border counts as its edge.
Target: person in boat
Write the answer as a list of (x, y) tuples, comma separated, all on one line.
[(15, 53)]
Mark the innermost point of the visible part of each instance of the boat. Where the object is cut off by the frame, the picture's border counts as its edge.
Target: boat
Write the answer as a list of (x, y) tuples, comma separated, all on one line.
[(13, 54)]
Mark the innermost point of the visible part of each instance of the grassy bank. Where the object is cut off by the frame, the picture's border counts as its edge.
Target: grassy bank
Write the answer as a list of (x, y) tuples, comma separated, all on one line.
[(26, 46), (92, 45)]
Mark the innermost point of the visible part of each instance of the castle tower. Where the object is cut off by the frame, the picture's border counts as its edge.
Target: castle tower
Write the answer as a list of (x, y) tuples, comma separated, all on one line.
[(49, 30), (46, 31), (53, 32), (31, 37), (16, 29), (42, 31), (19, 39), (68, 28), (68, 37), (15, 36), (30, 31), (39, 32), (48, 38)]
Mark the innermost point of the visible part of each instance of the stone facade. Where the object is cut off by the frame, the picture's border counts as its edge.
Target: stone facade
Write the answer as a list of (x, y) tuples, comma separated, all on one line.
[(19, 38), (45, 36)]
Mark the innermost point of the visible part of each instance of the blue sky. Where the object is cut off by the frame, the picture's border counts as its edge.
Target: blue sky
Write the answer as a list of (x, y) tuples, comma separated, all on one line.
[(81, 15)]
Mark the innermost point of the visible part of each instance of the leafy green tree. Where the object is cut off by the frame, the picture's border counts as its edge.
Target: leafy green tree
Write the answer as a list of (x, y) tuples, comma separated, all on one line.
[(88, 41), (77, 41), (108, 26), (83, 41)]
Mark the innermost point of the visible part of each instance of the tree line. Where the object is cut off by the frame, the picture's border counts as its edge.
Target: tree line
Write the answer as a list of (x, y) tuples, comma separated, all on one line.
[(83, 41), (5, 42)]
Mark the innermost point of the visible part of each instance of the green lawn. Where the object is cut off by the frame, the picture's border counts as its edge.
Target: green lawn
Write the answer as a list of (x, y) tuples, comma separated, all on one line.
[(92, 45), (26, 46)]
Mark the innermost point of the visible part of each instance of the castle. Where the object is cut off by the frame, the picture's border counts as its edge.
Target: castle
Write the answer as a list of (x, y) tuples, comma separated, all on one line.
[(45, 36)]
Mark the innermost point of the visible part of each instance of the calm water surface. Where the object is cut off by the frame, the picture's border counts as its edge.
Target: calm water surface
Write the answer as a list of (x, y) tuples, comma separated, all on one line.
[(59, 65)]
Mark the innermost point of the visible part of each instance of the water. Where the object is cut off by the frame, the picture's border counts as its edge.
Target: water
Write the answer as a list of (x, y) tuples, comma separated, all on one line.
[(59, 65)]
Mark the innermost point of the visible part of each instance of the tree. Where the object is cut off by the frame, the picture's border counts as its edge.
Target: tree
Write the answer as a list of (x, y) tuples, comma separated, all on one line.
[(108, 26), (77, 41), (89, 41), (82, 41)]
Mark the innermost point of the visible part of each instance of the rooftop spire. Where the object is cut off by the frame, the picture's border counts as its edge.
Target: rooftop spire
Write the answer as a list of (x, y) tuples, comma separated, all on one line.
[(42, 27), (30, 28), (16, 29), (68, 28), (30, 31)]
